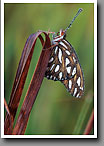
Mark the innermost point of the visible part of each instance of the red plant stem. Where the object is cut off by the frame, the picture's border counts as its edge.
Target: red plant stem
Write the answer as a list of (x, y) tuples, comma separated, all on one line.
[(89, 124), (6, 107), (33, 90), (21, 77), (9, 115)]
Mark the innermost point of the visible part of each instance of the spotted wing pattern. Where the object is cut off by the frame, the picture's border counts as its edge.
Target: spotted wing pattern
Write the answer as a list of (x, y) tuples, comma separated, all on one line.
[(64, 66)]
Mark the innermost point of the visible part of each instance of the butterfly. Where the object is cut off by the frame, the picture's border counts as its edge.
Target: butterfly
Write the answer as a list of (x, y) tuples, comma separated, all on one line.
[(64, 64)]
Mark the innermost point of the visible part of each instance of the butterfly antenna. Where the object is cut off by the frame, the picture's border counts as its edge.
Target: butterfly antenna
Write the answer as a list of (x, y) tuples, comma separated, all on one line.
[(79, 11)]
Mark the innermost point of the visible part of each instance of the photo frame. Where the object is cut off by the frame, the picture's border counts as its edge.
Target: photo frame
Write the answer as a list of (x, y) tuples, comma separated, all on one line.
[(54, 113)]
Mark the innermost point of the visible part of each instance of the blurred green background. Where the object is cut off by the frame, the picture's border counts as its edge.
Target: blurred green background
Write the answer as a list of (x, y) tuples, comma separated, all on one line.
[(55, 111)]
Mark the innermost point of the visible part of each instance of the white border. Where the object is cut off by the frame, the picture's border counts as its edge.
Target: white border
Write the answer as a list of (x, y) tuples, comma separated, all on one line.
[(95, 70), (51, 1)]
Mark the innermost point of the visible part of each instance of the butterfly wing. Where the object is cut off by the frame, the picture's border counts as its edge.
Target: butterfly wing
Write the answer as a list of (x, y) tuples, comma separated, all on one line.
[(59, 66), (64, 66), (75, 84)]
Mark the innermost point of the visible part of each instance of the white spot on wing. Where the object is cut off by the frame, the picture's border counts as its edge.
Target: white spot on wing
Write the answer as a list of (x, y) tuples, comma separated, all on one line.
[(77, 95), (79, 81), (60, 75), (61, 43), (56, 49), (52, 67), (68, 69), (81, 88), (51, 59), (70, 84), (74, 71), (51, 77), (60, 55), (67, 61), (57, 68), (54, 78), (74, 59), (66, 42), (75, 91), (67, 52)]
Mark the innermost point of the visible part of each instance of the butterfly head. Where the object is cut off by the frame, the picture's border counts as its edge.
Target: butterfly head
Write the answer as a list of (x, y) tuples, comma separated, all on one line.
[(61, 32), (59, 36)]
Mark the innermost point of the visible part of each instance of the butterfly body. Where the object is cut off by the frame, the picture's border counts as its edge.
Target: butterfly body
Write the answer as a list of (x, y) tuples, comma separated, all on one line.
[(64, 65)]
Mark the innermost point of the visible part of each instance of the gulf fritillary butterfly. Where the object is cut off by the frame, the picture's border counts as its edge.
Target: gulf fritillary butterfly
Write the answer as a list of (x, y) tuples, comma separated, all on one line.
[(64, 64)]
